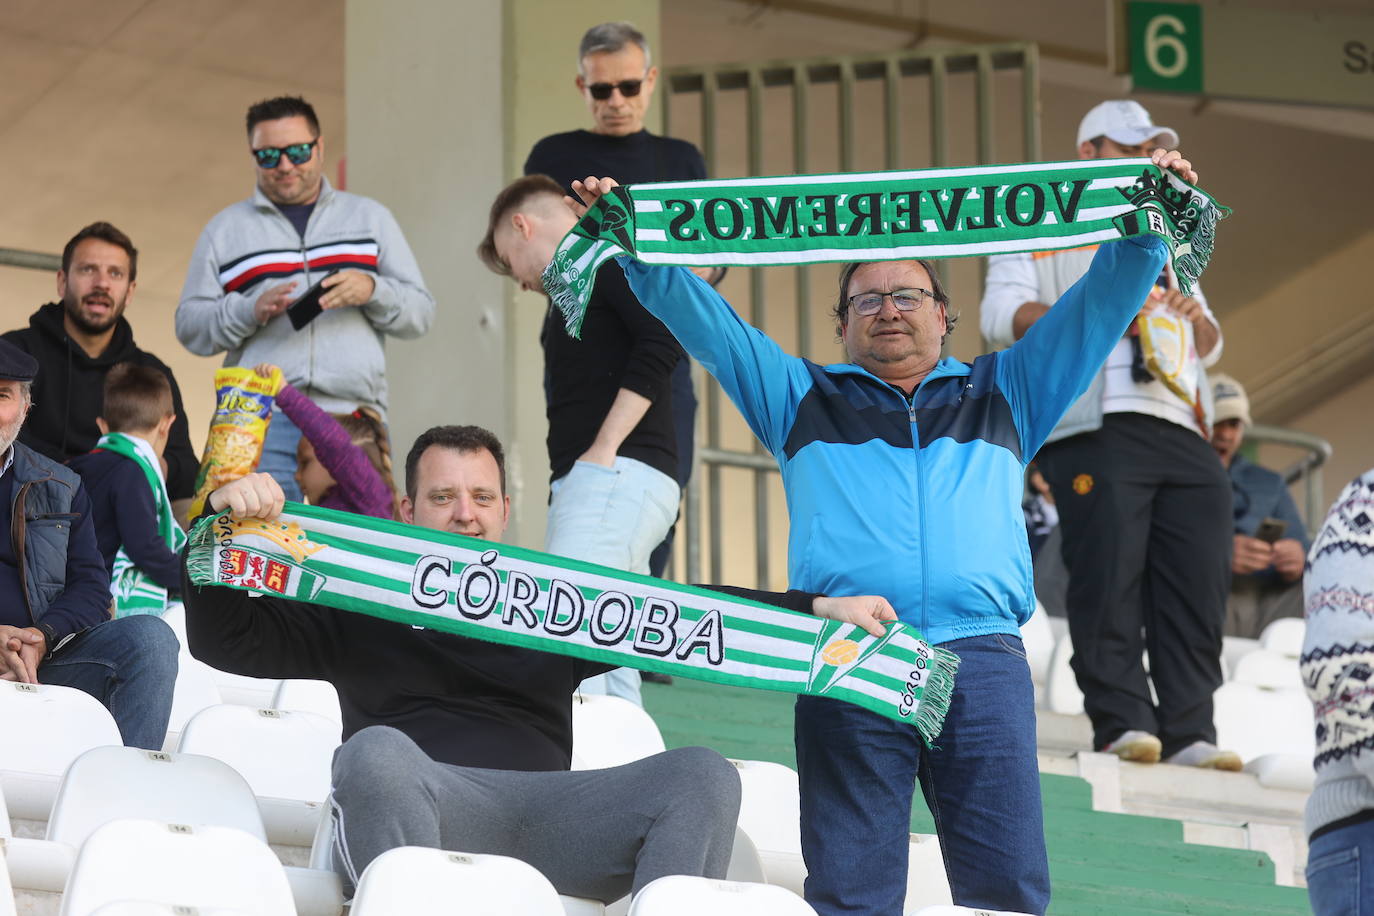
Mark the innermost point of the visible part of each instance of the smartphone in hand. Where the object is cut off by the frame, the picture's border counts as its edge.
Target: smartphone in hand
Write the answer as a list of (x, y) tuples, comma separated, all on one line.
[(305, 309), (1271, 529)]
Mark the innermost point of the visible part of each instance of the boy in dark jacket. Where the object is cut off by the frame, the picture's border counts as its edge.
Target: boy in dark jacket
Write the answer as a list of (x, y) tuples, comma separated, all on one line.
[(134, 526)]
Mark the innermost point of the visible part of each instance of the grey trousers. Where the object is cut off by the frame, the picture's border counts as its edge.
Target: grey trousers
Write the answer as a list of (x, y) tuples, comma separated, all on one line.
[(593, 833), (1252, 606)]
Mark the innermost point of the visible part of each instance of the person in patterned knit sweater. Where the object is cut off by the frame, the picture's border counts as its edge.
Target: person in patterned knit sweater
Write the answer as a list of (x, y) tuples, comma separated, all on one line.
[(1338, 669)]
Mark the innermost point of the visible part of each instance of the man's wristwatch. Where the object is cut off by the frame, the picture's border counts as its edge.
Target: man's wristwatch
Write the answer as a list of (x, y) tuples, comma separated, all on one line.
[(50, 636)]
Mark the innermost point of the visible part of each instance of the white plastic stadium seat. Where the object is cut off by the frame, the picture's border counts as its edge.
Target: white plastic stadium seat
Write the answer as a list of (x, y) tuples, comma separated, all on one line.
[(1061, 687), (195, 690), (241, 690), (609, 731), (951, 910), (420, 882), (1038, 637), (1232, 648), (282, 753), (1283, 771), (200, 867), (581, 906), (4, 816), (233, 688), (60, 723), (149, 908), (318, 697), (770, 805), (679, 895), (745, 863), (1268, 669), (109, 783), (7, 907), (926, 881), (1253, 721), (1285, 636)]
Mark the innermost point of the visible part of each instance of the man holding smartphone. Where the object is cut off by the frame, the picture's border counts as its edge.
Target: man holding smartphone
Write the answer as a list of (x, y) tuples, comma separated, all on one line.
[(1270, 543), (259, 256)]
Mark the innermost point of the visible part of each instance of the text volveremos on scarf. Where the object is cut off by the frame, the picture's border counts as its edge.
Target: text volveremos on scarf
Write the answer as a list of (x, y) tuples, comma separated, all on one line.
[(512, 596), (885, 216)]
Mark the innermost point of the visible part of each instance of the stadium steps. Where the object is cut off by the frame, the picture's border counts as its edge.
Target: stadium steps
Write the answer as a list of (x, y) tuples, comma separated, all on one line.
[(1101, 862)]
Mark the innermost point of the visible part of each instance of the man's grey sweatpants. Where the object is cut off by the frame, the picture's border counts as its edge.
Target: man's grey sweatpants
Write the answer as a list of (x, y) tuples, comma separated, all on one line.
[(593, 833)]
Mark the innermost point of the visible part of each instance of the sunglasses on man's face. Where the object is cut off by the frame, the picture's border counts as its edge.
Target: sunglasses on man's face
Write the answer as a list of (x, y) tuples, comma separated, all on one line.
[(269, 157), (602, 91)]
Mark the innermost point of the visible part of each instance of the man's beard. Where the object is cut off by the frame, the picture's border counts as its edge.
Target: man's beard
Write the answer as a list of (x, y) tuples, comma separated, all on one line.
[(88, 326), (8, 433)]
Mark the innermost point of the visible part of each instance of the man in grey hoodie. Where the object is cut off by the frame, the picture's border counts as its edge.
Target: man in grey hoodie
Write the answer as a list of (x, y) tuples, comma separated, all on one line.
[(258, 256)]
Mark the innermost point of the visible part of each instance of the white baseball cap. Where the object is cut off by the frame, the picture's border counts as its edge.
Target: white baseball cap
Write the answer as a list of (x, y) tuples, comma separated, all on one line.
[(1229, 400), (1126, 122)]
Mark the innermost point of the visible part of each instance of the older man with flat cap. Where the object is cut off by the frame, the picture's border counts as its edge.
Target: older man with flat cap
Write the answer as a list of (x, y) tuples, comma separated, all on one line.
[(55, 625)]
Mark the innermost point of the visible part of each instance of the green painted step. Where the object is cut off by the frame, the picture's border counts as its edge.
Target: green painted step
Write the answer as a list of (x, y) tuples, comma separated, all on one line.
[(1099, 898), (1101, 863), (1090, 851)]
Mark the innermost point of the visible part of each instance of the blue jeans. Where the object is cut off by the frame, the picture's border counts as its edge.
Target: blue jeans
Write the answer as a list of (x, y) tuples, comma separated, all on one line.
[(279, 454), (1340, 871), (982, 784), (130, 666), (615, 517)]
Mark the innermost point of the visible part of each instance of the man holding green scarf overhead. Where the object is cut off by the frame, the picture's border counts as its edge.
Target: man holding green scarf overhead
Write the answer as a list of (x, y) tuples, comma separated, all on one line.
[(903, 473)]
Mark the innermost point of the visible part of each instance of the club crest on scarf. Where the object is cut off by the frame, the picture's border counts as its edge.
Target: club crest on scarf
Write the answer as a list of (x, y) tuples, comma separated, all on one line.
[(266, 556)]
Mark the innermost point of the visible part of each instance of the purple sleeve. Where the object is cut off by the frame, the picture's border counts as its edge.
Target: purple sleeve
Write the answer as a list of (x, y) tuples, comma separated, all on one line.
[(359, 486)]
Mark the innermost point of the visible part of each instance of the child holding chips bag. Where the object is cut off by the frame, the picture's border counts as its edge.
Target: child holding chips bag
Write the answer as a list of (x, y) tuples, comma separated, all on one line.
[(343, 460), (242, 411)]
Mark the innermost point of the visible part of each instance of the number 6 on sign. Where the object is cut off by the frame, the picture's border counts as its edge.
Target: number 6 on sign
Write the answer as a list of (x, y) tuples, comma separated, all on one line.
[(1165, 45), (1156, 40)]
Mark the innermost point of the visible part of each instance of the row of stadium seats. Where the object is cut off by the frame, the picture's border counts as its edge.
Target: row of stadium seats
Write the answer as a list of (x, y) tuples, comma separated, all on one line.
[(135, 867), (265, 772)]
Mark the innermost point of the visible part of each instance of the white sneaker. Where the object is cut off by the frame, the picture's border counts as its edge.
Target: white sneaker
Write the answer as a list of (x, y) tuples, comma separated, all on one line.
[(1137, 745), (1208, 756)]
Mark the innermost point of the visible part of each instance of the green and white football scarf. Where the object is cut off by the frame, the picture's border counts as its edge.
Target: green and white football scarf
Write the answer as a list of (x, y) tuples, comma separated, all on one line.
[(885, 216), (134, 592), (518, 597)]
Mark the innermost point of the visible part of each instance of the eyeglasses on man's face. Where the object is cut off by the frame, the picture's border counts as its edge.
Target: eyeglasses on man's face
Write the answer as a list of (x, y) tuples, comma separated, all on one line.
[(905, 300), (269, 157), (602, 91)]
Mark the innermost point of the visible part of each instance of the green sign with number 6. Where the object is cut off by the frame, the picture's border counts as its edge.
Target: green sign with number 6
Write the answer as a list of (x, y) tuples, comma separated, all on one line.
[(1166, 46)]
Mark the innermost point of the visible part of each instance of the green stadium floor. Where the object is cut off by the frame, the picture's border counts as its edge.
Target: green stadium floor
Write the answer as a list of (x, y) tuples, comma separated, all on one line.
[(1101, 864)]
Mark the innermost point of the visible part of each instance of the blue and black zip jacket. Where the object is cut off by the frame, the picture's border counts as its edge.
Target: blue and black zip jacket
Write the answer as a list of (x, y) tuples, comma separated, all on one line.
[(918, 498)]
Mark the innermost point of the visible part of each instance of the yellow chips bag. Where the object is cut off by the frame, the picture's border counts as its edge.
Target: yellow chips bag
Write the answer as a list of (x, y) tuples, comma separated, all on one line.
[(237, 430)]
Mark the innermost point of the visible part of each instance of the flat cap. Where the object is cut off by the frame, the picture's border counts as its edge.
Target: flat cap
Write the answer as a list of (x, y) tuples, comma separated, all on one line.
[(15, 364)]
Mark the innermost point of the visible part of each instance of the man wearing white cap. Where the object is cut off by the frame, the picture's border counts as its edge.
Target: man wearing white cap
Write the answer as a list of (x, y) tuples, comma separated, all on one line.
[(1145, 509), (1269, 546)]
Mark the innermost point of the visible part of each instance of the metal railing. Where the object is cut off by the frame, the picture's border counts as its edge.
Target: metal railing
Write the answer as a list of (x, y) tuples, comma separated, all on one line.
[(1306, 469), (31, 260), (830, 110)]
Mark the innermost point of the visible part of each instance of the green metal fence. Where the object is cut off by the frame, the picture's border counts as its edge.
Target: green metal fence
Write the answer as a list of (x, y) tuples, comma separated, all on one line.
[(909, 109)]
